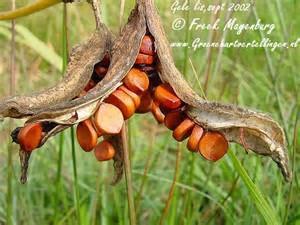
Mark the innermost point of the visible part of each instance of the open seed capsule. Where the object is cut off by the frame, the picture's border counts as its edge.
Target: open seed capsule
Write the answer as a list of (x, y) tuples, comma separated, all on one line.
[(86, 135), (173, 119), (147, 46), (134, 96), (144, 59), (213, 146), (123, 101), (108, 119), (30, 136), (104, 151), (157, 113), (194, 139), (146, 103), (166, 97), (136, 81), (183, 130)]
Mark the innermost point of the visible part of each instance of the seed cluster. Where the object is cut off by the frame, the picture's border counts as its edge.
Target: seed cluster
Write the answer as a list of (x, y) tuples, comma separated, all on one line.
[(142, 91)]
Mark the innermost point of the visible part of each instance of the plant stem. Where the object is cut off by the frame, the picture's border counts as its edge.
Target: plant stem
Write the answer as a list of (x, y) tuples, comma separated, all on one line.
[(132, 215), (9, 197)]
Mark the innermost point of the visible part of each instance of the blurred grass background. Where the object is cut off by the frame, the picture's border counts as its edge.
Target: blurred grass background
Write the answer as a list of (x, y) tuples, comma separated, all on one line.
[(204, 193)]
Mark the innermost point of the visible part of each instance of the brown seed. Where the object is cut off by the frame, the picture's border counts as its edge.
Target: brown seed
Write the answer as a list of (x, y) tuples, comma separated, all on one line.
[(134, 96), (183, 130), (30, 136), (101, 71), (147, 46), (108, 119), (136, 81), (146, 103), (91, 84), (166, 97), (213, 146), (144, 59), (173, 119), (104, 151), (194, 139), (105, 61), (157, 113), (86, 135), (123, 101)]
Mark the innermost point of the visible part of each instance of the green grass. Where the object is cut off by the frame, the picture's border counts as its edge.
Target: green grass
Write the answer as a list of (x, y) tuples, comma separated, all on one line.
[(240, 189)]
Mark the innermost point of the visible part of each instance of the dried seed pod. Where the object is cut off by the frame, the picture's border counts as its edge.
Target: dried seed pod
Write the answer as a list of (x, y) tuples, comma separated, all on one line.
[(108, 119), (183, 130), (123, 101), (194, 139), (166, 97), (30, 136), (146, 103), (104, 151), (136, 81), (173, 119), (86, 135), (147, 46), (134, 96), (157, 113), (213, 146), (144, 59)]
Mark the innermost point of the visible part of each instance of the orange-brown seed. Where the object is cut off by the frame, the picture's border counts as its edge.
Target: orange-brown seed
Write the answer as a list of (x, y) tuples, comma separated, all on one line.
[(146, 103), (213, 146), (173, 119), (86, 135), (183, 130), (166, 97), (104, 151), (157, 113), (136, 81), (147, 46), (30, 136), (134, 96), (123, 101), (144, 59), (91, 84), (194, 139)]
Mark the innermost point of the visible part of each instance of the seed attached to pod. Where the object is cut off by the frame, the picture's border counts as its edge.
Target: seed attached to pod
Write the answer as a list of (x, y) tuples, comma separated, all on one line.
[(146, 103), (166, 97), (104, 151), (183, 130), (144, 59), (123, 101), (86, 135), (134, 96), (101, 71), (30, 136), (173, 119), (108, 119), (213, 146), (194, 139), (157, 113), (91, 84), (147, 46), (136, 81)]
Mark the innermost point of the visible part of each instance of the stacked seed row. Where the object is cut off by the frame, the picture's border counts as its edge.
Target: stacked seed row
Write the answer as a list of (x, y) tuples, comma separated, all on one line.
[(142, 91)]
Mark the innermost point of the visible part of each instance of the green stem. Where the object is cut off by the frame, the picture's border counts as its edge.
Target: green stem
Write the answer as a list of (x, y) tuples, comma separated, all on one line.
[(29, 9), (132, 214)]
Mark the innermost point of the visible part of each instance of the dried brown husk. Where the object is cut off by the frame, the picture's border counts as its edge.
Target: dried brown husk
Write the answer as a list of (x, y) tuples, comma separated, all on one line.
[(81, 64), (256, 131)]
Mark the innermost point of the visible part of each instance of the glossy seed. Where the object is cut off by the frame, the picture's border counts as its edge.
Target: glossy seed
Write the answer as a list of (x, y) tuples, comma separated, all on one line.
[(134, 96), (157, 113), (136, 81), (173, 119), (183, 130), (146, 103), (166, 97), (104, 151), (123, 101), (194, 139), (144, 59), (30, 136), (213, 146), (147, 46), (86, 135), (108, 119)]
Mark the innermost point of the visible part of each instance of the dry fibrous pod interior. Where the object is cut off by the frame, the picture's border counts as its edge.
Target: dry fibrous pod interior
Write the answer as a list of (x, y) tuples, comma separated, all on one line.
[(208, 125)]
